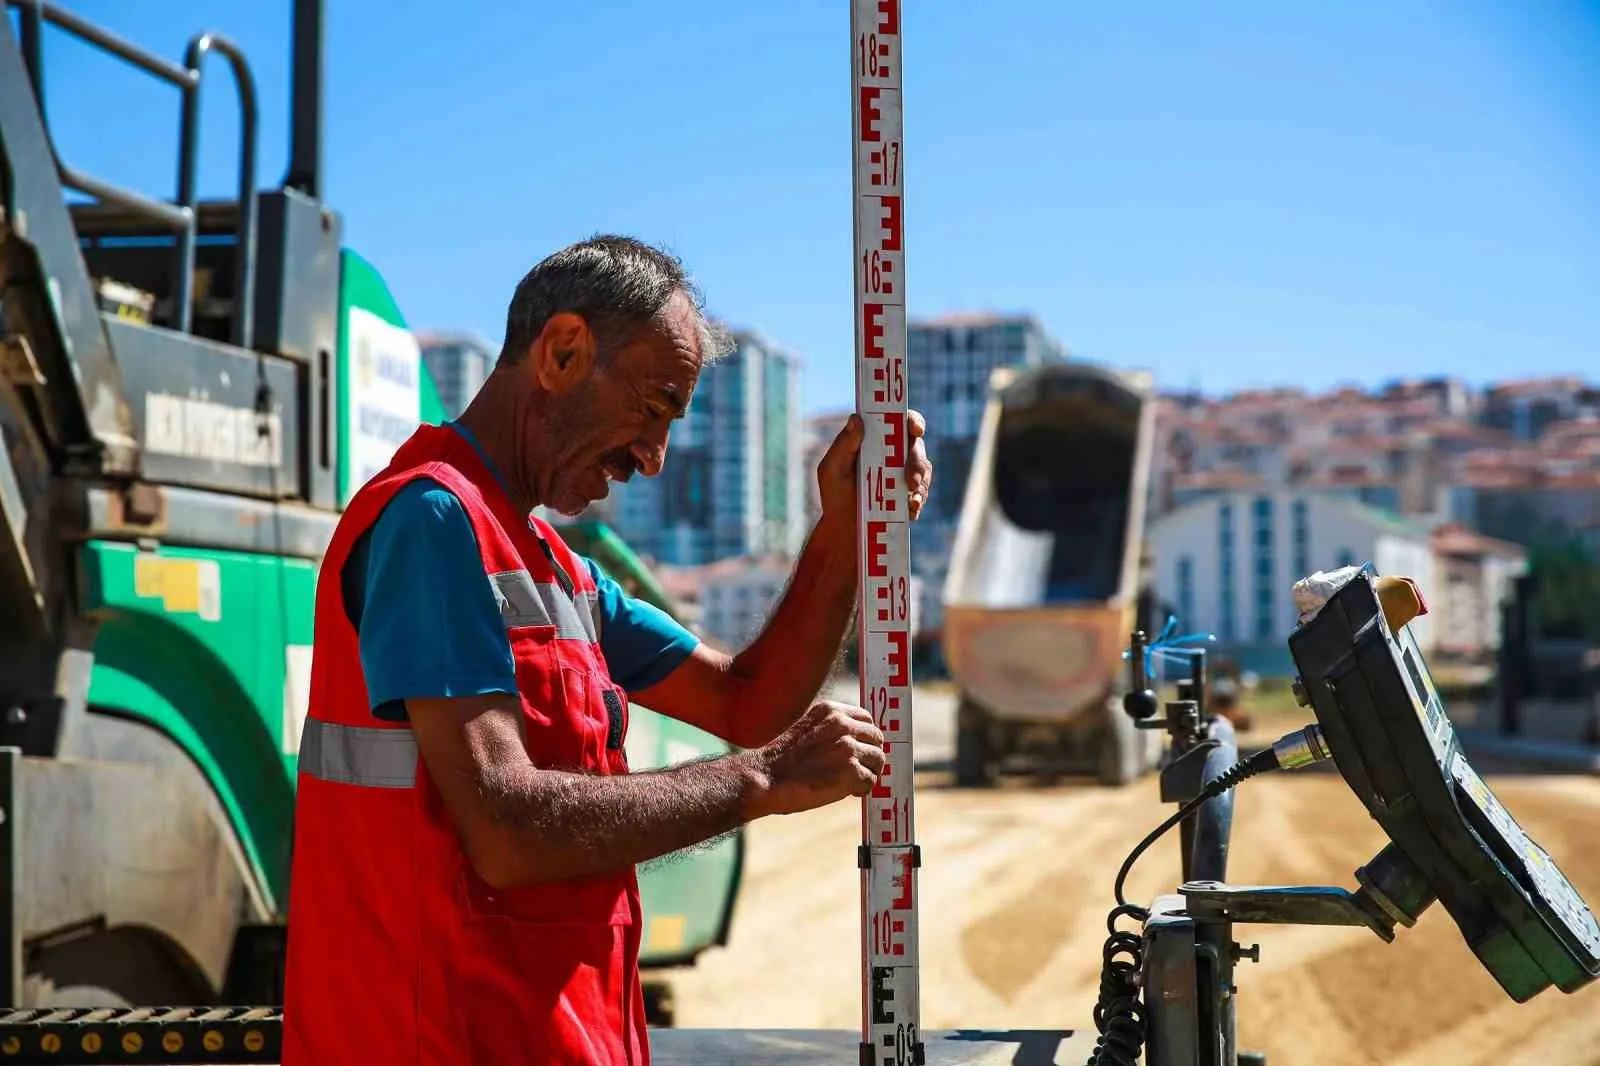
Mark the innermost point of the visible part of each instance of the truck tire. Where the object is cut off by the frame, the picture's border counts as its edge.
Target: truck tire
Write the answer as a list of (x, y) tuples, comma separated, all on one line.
[(116, 967), (1121, 758), (660, 1010), (977, 763)]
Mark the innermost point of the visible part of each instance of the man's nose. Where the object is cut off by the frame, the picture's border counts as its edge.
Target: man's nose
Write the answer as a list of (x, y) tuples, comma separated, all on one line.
[(650, 453)]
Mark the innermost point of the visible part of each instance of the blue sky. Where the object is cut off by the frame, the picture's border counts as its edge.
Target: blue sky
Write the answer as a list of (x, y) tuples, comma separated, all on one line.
[(1231, 195)]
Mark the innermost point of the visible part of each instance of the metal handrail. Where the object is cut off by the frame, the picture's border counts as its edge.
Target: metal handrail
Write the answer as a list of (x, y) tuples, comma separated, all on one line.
[(180, 216), (188, 170)]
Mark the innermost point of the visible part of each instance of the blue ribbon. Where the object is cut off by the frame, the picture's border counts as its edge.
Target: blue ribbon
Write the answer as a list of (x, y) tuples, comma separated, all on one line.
[(1170, 647)]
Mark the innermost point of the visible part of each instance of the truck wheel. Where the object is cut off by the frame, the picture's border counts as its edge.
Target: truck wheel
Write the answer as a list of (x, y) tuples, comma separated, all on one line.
[(118, 967), (1121, 756), (660, 1010), (977, 764)]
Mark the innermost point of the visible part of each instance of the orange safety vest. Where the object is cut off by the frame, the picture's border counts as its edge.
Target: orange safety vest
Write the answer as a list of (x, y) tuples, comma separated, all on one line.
[(398, 953)]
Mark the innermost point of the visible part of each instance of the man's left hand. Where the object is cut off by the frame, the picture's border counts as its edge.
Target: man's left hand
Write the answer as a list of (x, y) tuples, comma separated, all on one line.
[(836, 473)]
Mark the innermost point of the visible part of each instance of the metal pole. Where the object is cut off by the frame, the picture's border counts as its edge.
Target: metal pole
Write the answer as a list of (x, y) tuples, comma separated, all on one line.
[(305, 108), (891, 1011)]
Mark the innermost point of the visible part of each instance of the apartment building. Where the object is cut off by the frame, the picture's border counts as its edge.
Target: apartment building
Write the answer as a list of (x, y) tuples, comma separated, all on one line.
[(459, 363), (1227, 563)]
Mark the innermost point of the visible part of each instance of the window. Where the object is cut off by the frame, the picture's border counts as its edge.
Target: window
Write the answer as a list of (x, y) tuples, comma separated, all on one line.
[(1264, 569), (1302, 540), (1225, 538)]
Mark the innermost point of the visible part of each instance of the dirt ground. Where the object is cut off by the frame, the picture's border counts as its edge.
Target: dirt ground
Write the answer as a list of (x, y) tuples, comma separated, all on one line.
[(1016, 883)]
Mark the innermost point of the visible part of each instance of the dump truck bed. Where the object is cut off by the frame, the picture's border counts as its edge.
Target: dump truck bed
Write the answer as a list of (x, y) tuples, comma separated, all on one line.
[(1043, 577)]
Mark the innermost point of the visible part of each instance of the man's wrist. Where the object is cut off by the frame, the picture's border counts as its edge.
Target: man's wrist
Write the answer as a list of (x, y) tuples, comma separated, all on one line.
[(835, 532), (755, 783)]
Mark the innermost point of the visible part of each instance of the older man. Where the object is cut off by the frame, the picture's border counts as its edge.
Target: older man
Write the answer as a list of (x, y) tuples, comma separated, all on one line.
[(467, 828)]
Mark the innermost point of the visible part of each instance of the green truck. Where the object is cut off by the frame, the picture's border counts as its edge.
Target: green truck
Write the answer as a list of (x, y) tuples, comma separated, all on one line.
[(192, 391)]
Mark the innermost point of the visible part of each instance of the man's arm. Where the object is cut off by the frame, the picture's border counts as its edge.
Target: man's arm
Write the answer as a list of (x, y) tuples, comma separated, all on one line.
[(748, 698), (434, 653), (521, 824)]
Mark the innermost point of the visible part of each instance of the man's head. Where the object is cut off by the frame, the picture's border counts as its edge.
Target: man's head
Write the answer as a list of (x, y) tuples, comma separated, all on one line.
[(610, 335)]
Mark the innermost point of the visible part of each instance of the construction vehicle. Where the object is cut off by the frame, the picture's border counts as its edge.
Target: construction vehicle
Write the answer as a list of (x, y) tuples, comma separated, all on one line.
[(1046, 572), (192, 392)]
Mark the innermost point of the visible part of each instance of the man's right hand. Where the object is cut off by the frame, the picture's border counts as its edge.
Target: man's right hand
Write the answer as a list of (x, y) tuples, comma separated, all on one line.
[(831, 752)]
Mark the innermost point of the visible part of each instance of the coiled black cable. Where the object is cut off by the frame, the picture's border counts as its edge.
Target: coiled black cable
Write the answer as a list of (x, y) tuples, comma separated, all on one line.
[(1119, 1012)]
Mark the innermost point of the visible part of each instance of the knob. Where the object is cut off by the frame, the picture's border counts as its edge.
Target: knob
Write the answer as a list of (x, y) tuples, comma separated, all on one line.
[(1140, 705)]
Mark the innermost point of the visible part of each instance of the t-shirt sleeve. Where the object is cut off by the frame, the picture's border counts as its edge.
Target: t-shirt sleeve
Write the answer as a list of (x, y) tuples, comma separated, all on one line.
[(429, 624), (641, 643)]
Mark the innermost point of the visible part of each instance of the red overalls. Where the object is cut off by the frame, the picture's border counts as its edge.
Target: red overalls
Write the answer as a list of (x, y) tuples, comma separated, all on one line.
[(398, 953)]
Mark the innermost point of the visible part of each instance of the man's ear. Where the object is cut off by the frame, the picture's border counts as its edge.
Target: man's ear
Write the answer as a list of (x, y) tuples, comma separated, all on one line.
[(563, 353)]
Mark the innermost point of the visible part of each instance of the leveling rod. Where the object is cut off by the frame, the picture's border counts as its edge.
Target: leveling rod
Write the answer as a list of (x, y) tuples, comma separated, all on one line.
[(891, 1012)]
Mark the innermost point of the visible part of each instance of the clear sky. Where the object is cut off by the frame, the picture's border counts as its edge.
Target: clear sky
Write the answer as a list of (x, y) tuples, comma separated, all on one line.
[(1232, 195)]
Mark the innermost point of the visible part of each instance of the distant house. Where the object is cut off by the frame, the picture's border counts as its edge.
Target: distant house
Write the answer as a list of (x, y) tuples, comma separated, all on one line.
[(1227, 564), (1473, 576)]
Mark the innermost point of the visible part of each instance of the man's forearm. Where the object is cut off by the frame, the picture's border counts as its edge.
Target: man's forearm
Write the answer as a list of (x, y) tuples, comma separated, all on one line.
[(787, 664), (553, 825)]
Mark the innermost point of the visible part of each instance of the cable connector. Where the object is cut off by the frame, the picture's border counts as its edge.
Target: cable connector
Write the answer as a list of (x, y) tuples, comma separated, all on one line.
[(1301, 748)]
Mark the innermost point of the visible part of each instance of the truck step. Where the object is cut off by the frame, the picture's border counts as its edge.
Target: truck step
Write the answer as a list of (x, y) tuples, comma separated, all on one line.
[(141, 1034)]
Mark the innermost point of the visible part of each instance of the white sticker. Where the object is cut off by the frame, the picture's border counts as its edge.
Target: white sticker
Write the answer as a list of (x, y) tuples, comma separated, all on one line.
[(296, 694), (196, 427), (209, 605), (383, 404)]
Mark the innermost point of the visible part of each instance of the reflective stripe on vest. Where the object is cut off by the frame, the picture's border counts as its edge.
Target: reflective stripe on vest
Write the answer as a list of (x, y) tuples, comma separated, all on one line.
[(525, 602), (358, 755)]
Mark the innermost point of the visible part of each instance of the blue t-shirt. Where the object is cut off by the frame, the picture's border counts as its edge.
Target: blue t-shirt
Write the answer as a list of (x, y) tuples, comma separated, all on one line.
[(444, 636)]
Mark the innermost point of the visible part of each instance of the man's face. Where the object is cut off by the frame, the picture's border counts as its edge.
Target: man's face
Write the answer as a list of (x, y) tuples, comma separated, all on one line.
[(613, 422)]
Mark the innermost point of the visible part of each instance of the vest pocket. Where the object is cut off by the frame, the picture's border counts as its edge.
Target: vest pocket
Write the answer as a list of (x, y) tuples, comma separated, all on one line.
[(543, 973)]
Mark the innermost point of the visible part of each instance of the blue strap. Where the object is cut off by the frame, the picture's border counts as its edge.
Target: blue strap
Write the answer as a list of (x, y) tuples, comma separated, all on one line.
[(1170, 647)]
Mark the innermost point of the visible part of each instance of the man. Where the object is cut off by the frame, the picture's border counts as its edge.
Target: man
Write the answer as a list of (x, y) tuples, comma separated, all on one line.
[(467, 830)]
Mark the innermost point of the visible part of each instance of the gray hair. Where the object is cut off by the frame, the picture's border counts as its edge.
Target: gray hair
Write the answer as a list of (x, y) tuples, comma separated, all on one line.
[(616, 284)]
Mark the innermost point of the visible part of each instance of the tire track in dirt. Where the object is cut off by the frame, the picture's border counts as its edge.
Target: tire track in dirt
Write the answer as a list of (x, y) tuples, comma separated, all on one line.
[(1008, 947), (1014, 890), (1424, 999)]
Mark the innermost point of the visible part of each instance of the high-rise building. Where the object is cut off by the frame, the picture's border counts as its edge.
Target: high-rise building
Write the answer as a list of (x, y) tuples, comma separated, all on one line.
[(732, 484), (458, 363), (950, 358)]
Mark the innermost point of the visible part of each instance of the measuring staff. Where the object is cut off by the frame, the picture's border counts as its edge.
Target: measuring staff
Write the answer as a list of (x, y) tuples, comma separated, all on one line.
[(889, 856), (466, 828)]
